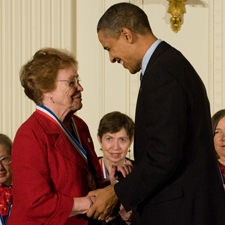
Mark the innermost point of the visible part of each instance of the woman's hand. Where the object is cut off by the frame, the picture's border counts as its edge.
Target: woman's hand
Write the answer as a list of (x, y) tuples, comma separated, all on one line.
[(125, 215), (125, 169), (116, 171), (81, 205)]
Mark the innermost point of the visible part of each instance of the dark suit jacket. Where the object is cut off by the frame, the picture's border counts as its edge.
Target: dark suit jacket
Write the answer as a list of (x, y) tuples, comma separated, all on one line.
[(48, 173), (176, 180)]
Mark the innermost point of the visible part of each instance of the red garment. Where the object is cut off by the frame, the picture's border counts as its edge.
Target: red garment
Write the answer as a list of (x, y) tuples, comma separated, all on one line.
[(222, 169), (5, 200), (48, 173)]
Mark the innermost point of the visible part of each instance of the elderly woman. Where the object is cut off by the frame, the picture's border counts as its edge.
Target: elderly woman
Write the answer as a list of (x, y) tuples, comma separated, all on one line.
[(115, 135), (218, 126), (53, 160), (5, 178)]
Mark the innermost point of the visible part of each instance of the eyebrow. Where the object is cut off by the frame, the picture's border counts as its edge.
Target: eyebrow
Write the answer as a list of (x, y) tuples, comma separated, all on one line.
[(108, 135)]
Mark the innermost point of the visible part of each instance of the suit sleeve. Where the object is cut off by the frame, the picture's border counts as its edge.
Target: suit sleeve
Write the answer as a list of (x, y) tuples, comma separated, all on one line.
[(31, 179), (159, 135)]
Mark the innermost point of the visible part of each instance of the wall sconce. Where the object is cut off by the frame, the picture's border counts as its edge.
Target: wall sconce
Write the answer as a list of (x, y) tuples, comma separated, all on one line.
[(176, 9)]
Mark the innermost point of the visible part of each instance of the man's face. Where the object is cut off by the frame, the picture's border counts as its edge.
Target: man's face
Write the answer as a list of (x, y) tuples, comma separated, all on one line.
[(121, 51)]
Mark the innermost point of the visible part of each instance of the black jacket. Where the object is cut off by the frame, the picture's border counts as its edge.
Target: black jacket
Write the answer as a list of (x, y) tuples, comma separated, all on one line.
[(176, 180)]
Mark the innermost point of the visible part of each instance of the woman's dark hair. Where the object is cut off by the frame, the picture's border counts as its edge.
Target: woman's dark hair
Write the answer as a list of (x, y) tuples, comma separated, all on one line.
[(216, 119), (113, 122), (5, 140)]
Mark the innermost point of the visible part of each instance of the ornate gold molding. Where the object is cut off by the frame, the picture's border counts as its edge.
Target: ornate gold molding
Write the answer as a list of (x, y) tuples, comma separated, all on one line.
[(176, 9)]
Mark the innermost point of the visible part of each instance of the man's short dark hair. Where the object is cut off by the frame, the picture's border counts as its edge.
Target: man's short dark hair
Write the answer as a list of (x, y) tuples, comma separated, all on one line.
[(123, 15)]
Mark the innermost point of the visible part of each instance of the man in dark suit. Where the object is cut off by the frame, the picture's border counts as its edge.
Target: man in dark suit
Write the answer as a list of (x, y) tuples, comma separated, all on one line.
[(176, 180)]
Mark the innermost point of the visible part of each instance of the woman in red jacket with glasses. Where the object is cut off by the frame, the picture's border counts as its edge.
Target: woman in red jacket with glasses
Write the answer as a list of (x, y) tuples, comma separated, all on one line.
[(53, 159)]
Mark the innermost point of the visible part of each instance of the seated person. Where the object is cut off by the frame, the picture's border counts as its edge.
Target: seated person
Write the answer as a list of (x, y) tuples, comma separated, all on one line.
[(218, 125), (5, 178), (115, 135)]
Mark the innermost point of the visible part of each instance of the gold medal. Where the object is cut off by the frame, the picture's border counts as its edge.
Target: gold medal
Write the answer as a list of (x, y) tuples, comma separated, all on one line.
[(91, 181)]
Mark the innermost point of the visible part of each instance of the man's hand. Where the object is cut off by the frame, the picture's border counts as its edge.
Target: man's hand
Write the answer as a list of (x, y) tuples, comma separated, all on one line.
[(105, 205)]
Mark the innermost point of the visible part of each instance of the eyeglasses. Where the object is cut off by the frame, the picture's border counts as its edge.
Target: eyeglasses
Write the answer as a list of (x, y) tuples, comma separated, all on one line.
[(71, 83), (5, 160)]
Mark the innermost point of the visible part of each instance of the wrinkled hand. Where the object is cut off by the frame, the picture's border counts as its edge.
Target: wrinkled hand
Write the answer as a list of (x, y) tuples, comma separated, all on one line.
[(105, 205), (81, 205), (124, 169), (92, 199)]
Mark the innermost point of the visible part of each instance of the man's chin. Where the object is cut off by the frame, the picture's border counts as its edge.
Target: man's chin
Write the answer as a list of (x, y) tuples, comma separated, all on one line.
[(133, 71)]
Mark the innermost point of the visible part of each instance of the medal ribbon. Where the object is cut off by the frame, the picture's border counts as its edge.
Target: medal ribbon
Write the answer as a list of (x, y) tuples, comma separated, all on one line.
[(6, 217), (75, 130), (49, 114), (104, 171)]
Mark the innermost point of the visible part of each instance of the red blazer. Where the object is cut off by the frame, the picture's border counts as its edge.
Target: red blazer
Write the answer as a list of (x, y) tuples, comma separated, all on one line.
[(48, 172)]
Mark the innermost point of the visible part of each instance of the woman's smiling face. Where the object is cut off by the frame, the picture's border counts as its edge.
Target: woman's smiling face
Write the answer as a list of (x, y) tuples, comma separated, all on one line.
[(67, 93), (115, 146), (219, 138), (5, 169)]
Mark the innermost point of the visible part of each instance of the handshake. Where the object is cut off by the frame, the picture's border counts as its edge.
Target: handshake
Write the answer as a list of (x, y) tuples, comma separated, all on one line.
[(104, 203)]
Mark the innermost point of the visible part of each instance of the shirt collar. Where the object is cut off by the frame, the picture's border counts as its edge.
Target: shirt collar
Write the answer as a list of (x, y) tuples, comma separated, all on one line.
[(148, 55)]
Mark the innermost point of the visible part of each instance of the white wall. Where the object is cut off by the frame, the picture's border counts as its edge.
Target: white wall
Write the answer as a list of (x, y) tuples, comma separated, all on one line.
[(27, 25)]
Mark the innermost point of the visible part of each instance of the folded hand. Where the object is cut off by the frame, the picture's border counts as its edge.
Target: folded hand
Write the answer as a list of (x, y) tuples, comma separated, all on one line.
[(116, 171)]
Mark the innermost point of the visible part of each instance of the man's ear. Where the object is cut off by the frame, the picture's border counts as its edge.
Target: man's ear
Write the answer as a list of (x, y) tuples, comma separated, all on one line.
[(127, 34)]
